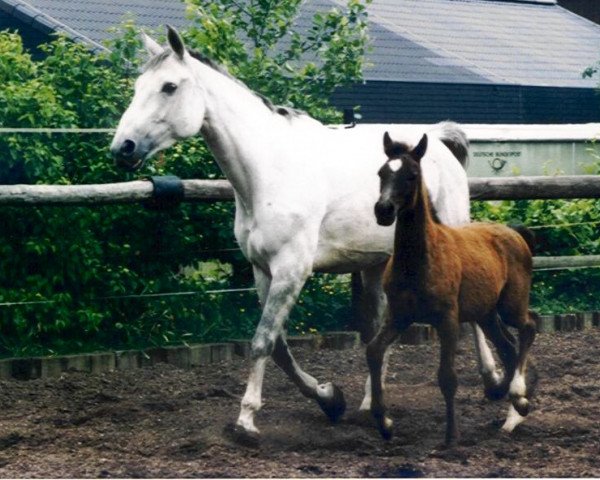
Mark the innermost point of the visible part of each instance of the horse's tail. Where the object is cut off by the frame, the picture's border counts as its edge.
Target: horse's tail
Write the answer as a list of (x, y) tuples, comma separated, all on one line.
[(526, 233), (451, 135)]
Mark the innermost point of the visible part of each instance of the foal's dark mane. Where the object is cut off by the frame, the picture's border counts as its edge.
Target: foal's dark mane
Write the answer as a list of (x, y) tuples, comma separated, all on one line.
[(157, 60)]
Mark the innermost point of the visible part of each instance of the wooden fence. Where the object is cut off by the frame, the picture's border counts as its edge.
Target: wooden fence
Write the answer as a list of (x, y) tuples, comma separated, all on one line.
[(500, 188)]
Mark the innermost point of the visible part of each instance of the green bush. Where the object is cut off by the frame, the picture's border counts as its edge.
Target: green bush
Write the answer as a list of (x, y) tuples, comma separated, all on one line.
[(562, 227)]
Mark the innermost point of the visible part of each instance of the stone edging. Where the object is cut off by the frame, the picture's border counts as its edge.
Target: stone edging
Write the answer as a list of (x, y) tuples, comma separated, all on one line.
[(201, 355)]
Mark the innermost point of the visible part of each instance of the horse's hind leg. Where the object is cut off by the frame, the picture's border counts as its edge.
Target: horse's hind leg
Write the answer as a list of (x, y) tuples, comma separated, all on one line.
[(372, 305), (485, 358), (496, 388), (518, 388)]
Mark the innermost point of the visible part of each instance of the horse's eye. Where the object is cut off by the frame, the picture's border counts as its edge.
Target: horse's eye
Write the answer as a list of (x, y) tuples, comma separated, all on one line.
[(169, 88)]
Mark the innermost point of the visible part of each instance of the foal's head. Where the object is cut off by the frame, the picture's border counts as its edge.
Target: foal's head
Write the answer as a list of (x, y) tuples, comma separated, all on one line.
[(400, 178)]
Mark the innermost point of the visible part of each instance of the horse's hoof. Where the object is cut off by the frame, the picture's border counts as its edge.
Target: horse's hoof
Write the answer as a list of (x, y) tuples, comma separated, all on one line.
[(521, 405), (496, 392), (333, 406), (241, 436), (386, 429)]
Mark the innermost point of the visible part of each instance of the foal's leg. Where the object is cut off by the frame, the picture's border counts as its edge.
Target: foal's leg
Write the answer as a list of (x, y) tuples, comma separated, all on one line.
[(518, 386), (487, 364), (373, 304), (448, 331), (504, 342), (376, 352)]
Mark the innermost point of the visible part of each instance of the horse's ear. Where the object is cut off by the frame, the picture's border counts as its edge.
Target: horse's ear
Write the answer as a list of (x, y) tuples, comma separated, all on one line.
[(419, 151), (151, 45), (388, 144), (175, 42)]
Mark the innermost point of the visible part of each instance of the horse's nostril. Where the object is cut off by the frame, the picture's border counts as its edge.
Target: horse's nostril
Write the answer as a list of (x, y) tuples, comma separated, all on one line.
[(385, 209), (127, 148)]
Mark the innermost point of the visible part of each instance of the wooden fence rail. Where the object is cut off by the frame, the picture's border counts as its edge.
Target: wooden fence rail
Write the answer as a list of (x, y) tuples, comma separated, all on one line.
[(511, 188), (502, 188)]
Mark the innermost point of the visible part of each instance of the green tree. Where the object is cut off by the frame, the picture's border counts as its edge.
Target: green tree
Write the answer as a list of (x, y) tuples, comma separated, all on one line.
[(294, 63)]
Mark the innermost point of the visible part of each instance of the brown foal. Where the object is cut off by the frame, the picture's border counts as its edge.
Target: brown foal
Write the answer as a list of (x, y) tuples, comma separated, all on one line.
[(443, 276)]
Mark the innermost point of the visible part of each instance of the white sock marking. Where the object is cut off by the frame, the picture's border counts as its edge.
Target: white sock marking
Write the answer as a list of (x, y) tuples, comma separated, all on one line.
[(512, 420), (325, 390), (487, 364), (517, 385)]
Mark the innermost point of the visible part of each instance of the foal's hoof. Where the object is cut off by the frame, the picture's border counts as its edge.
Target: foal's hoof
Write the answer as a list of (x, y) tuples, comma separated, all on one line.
[(521, 405), (334, 405), (386, 429), (241, 436), (496, 392)]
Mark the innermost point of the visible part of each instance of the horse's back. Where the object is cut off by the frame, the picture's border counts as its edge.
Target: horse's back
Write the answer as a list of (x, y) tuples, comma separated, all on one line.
[(495, 260)]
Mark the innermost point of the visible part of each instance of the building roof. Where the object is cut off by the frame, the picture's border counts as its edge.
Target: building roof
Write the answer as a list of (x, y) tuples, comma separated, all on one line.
[(518, 42), (482, 41)]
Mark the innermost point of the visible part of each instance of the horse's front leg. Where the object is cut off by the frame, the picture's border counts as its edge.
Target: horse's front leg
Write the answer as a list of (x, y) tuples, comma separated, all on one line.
[(277, 293), (448, 329), (329, 397), (376, 353)]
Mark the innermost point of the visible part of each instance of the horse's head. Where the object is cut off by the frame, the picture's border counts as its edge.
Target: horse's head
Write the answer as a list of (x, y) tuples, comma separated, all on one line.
[(399, 177), (168, 104)]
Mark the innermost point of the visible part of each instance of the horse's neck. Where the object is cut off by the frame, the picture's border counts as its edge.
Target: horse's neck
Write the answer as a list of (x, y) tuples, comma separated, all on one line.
[(240, 131), (415, 234)]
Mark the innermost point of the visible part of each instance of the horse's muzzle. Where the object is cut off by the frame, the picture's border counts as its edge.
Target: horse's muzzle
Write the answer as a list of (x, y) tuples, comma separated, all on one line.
[(385, 212), (127, 155)]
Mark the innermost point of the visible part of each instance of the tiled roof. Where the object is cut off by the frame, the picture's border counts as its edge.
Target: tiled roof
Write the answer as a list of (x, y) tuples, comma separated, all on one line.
[(526, 43), (523, 42)]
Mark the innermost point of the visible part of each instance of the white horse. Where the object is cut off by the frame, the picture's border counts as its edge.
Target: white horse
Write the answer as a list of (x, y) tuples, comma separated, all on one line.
[(304, 196)]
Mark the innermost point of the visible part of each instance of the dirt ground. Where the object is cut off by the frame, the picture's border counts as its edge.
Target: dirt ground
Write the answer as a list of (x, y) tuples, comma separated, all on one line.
[(166, 422)]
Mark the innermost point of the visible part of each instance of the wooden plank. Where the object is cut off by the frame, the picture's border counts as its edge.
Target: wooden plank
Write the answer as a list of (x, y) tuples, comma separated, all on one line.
[(530, 188), (219, 190), (93, 194), (560, 263), (503, 188)]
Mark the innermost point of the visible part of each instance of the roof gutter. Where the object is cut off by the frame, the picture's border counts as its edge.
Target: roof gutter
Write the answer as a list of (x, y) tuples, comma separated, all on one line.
[(45, 23)]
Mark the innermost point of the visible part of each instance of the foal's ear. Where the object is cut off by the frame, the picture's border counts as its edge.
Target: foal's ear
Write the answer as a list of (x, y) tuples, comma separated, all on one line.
[(151, 45), (175, 42), (418, 152), (388, 144)]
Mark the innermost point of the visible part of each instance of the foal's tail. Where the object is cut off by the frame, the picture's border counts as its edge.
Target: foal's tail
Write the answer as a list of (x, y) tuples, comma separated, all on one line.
[(451, 135), (526, 233)]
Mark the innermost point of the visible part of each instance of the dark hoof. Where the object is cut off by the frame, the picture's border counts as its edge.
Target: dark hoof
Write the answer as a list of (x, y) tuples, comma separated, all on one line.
[(335, 406), (521, 405), (386, 433), (241, 436), (496, 392)]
